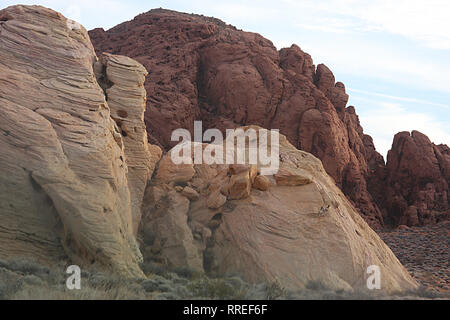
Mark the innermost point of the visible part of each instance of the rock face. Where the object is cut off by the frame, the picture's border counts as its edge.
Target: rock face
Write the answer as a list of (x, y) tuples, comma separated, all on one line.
[(202, 69), (301, 228), (122, 79), (417, 182), (70, 180)]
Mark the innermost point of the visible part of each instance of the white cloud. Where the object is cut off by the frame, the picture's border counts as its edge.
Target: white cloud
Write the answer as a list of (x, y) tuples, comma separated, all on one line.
[(424, 21), (404, 99), (90, 13), (380, 61)]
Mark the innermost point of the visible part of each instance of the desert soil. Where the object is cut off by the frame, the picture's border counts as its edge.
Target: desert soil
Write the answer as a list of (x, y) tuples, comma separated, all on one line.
[(424, 251)]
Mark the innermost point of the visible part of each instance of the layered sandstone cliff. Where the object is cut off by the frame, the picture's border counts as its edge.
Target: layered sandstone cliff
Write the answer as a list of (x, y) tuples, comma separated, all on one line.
[(70, 182)]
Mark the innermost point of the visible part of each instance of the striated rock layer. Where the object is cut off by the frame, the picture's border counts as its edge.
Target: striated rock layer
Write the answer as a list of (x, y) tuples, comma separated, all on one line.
[(122, 79), (298, 227), (202, 69), (70, 182)]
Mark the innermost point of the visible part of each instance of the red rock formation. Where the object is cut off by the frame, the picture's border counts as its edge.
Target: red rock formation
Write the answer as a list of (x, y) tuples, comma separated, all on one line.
[(417, 180), (202, 69)]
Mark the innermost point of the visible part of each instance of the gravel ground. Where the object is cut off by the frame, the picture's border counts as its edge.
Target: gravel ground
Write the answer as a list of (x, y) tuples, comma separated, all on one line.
[(424, 251)]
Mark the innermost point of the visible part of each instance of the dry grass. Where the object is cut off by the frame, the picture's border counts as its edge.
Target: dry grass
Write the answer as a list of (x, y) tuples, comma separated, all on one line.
[(24, 279)]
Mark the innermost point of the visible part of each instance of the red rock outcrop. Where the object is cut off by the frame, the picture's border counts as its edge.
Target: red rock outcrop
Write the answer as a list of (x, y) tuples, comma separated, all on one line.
[(417, 182), (202, 69)]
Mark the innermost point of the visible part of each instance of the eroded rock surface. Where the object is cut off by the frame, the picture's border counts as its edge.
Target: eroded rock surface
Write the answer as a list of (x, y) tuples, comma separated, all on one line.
[(301, 228), (417, 182), (65, 184), (123, 79)]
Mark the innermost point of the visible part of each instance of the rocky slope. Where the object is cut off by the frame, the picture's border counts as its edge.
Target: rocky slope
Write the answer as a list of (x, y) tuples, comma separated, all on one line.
[(294, 226), (70, 182), (424, 252), (202, 69)]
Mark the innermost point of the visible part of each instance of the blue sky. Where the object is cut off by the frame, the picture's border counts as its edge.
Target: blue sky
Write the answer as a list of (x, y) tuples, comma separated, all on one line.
[(393, 56)]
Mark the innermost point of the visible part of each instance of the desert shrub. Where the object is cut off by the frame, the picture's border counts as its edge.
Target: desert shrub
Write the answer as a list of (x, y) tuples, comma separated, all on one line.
[(256, 292), (187, 272), (8, 288), (175, 278), (315, 285), (150, 268), (26, 266), (220, 289), (156, 284), (275, 290)]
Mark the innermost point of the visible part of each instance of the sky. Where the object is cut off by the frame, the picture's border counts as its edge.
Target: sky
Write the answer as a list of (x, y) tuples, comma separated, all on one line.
[(393, 56)]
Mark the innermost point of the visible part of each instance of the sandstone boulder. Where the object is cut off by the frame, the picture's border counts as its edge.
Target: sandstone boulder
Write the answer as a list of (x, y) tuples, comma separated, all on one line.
[(190, 193), (292, 233), (261, 183)]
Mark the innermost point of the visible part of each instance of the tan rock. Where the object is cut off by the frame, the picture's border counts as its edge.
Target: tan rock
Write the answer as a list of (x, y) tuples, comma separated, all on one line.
[(190, 193), (216, 200), (155, 156), (239, 186), (293, 233), (292, 177), (253, 172), (64, 188), (238, 168), (168, 172), (261, 183), (167, 229), (123, 81)]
